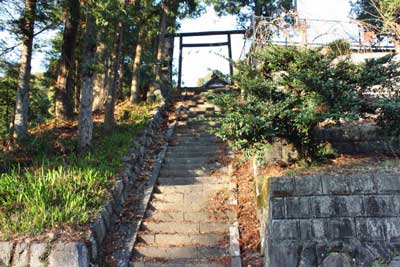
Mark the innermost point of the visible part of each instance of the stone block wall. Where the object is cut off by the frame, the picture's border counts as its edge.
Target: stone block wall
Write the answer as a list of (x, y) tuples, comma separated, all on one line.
[(358, 139), (333, 220), (55, 253), (351, 139)]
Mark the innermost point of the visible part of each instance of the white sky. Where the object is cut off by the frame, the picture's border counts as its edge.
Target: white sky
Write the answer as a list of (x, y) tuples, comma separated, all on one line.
[(198, 62), (324, 9)]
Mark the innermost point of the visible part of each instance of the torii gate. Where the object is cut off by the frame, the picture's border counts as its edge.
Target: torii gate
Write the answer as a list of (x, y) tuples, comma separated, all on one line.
[(207, 33)]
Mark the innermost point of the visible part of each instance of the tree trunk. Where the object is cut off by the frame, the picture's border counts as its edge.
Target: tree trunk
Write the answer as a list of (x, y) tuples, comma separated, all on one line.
[(64, 84), (102, 76), (258, 9), (159, 83), (148, 85), (22, 98), (164, 53), (77, 77), (109, 120), (85, 127), (120, 85), (135, 84), (166, 71)]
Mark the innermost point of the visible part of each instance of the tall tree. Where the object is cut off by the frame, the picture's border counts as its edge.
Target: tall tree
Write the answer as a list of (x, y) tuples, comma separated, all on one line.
[(149, 16), (65, 79), (85, 127), (22, 98), (109, 119), (102, 77), (260, 8), (170, 10), (135, 84)]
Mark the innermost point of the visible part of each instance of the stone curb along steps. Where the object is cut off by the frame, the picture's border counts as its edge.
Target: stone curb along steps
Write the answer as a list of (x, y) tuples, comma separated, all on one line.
[(234, 236), (180, 226), (124, 254), (55, 253)]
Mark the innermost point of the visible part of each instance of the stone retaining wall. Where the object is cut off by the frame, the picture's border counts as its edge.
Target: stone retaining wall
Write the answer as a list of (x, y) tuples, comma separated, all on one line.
[(333, 220), (358, 139), (55, 253), (351, 139)]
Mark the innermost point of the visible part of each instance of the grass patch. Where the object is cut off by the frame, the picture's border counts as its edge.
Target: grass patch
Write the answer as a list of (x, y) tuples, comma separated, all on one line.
[(47, 185)]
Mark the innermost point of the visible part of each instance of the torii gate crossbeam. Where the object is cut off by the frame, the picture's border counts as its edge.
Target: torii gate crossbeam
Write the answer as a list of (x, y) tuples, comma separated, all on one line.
[(208, 33)]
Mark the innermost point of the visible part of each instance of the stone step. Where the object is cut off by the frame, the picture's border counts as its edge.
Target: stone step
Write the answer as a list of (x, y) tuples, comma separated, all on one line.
[(196, 123), (195, 127), (193, 180), (191, 153), (199, 114), (170, 172), (175, 206), (197, 188), (193, 135), (189, 139), (196, 143), (200, 148), (181, 239), (213, 165), (180, 216), (203, 108), (184, 227), (196, 160), (178, 200), (178, 253), (198, 118), (180, 263)]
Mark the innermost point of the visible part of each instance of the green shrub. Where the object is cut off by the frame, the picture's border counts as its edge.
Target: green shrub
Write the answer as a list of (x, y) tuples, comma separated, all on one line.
[(339, 47), (286, 96), (389, 116), (378, 71)]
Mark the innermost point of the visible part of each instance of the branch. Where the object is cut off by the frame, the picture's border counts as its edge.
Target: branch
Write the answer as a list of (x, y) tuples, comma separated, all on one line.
[(11, 48)]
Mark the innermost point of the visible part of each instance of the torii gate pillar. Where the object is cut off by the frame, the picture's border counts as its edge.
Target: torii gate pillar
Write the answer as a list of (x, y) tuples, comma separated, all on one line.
[(192, 34)]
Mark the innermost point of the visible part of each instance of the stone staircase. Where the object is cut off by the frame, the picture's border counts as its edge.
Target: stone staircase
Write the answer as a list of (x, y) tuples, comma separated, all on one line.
[(180, 227)]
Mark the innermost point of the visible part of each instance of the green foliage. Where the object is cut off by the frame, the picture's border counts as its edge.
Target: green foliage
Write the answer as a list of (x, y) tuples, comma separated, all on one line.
[(265, 8), (339, 47), (7, 98), (32, 201), (378, 71), (389, 116), (58, 187), (286, 96), (39, 102)]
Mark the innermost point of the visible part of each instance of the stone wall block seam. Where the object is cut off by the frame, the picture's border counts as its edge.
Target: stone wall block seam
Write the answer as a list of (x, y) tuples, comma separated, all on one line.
[(284, 230), (362, 183), (281, 186), (21, 255), (37, 255), (6, 252), (308, 186), (335, 184), (298, 207), (387, 182), (69, 255)]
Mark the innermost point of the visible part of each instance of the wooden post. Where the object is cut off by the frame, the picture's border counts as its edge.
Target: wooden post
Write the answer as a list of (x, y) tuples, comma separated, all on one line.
[(230, 55), (180, 62)]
